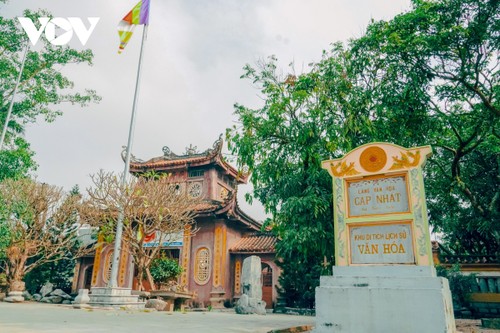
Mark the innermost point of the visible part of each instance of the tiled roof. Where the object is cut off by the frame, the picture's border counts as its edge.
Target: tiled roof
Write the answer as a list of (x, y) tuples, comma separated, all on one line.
[(256, 243), (170, 161)]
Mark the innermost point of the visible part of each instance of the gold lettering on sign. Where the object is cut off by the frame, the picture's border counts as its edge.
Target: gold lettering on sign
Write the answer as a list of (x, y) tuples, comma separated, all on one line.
[(219, 256), (97, 260), (387, 198), (237, 277), (123, 265), (186, 254), (385, 243)]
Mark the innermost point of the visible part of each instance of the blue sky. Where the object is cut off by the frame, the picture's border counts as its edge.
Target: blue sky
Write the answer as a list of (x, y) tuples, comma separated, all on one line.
[(193, 61)]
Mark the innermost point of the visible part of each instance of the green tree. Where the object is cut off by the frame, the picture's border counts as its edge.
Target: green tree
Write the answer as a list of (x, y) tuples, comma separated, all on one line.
[(436, 70), (42, 92), (429, 76)]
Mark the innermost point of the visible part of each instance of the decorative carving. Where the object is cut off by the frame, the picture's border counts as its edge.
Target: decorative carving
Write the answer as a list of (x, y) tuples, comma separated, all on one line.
[(373, 159), (419, 217), (408, 160), (224, 193), (340, 217), (195, 190), (341, 169), (202, 266), (106, 274)]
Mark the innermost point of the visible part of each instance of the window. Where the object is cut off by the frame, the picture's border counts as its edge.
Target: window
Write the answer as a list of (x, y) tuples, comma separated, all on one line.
[(196, 173), (202, 266)]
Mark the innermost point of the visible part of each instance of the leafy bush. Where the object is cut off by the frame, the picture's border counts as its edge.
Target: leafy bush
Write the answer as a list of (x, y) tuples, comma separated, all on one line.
[(164, 269), (59, 273), (461, 285)]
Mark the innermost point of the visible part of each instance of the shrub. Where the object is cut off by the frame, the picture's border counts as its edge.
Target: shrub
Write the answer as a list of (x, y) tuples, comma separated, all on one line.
[(461, 285), (164, 269), (59, 273)]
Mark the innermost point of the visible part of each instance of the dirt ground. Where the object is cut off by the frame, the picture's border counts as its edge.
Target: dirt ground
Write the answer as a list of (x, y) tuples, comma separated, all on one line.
[(472, 326)]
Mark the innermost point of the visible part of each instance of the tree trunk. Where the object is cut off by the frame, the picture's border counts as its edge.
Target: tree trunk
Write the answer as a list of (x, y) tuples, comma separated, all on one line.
[(140, 274), (150, 279)]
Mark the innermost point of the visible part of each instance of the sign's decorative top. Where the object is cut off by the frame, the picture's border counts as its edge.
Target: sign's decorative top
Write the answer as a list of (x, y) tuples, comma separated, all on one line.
[(377, 158), (373, 159)]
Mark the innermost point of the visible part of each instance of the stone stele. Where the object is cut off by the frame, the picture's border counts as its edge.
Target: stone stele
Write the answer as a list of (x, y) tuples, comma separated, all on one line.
[(251, 300)]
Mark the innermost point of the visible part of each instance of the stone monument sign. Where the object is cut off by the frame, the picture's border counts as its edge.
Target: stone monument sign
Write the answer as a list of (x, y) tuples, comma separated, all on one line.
[(384, 279)]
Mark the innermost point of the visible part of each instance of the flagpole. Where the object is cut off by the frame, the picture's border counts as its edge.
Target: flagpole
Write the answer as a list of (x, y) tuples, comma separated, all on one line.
[(113, 281), (9, 112)]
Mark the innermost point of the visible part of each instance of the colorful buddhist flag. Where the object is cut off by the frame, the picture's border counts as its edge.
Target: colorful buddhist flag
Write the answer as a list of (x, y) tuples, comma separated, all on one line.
[(138, 15)]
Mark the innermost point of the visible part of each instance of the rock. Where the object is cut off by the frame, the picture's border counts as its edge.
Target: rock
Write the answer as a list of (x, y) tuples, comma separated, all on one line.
[(246, 305), (56, 299), (156, 304), (27, 296), (66, 301), (60, 293), (2, 296), (37, 297), (82, 299), (46, 289), (46, 300)]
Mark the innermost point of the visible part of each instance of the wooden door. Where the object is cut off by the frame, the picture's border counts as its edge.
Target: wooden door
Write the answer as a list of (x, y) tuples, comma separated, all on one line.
[(267, 285)]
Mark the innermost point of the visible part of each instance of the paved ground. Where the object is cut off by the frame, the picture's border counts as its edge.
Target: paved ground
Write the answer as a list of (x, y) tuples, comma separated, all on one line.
[(45, 318)]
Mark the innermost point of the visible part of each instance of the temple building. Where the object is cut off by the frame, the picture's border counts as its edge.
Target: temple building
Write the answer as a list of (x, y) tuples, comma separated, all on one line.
[(212, 257)]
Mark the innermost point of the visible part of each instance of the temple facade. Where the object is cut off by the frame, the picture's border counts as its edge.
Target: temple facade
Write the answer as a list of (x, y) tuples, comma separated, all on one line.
[(212, 256)]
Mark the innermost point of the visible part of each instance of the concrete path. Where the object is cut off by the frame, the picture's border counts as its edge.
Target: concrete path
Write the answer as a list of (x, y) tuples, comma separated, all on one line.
[(46, 318)]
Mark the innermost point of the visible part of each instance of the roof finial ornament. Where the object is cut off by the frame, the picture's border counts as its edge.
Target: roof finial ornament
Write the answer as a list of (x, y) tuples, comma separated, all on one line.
[(124, 153), (191, 150), (218, 144), (132, 157), (166, 151)]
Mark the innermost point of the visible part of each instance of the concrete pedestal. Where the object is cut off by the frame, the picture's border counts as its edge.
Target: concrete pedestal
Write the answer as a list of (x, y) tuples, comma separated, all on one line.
[(14, 297), (382, 299), (114, 298)]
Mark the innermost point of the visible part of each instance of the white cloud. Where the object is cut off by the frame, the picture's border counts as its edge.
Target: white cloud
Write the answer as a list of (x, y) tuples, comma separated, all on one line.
[(193, 60)]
